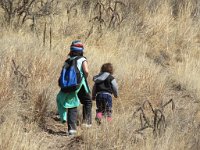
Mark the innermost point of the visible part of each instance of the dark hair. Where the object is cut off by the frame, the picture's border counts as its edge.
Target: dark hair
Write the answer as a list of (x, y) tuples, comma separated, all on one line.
[(73, 53), (107, 67)]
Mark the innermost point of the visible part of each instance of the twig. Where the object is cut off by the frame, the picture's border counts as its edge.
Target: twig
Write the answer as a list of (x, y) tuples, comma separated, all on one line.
[(44, 34)]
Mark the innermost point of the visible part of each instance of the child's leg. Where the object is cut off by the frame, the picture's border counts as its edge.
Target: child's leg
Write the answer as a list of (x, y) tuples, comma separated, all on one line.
[(99, 107), (99, 110), (86, 100), (109, 107), (104, 105), (72, 119), (87, 111)]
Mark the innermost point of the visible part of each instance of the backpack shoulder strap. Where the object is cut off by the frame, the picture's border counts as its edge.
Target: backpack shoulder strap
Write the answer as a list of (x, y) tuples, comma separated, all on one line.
[(79, 57), (75, 61), (67, 63)]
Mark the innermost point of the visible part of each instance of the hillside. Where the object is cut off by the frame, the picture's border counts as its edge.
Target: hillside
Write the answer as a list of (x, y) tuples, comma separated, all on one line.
[(154, 47)]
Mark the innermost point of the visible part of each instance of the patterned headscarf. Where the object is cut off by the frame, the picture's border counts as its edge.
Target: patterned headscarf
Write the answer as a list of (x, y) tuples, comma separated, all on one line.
[(76, 46)]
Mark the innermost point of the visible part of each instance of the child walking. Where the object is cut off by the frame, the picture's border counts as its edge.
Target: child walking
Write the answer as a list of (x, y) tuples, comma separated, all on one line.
[(68, 100), (105, 85)]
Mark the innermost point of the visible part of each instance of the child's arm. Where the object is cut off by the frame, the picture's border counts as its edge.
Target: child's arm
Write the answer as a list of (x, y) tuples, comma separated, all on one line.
[(94, 92), (115, 88), (85, 68)]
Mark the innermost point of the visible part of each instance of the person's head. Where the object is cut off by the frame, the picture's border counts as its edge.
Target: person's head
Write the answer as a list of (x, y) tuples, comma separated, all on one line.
[(107, 67), (76, 48)]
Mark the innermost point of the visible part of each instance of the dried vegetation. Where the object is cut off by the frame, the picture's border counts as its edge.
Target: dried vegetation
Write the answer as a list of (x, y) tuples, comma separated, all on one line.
[(153, 45)]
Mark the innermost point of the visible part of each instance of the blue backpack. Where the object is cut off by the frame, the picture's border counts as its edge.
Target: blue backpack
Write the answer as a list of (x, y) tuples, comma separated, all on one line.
[(70, 77)]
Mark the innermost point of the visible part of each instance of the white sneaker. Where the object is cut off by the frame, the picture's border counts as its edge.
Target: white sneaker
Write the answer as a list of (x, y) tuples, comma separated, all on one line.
[(87, 125), (71, 132)]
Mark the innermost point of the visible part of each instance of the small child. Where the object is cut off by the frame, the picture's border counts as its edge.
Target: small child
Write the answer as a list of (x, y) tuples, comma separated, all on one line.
[(105, 85)]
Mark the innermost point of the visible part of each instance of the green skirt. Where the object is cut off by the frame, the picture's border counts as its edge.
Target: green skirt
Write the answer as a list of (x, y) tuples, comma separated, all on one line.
[(69, 100)]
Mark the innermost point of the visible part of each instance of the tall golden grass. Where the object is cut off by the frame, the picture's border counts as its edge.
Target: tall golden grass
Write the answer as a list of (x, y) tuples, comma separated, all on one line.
[(155, 56)]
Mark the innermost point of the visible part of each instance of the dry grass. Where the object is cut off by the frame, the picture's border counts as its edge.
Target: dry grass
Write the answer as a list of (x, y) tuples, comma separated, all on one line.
[(155, 55)]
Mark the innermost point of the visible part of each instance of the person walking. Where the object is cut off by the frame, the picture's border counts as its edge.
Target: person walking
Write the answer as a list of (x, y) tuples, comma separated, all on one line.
[(104, 86), (68, 99)]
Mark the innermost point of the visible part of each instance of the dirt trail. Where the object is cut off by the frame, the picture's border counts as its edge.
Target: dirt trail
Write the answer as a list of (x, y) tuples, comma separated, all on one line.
[(55, 135)]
